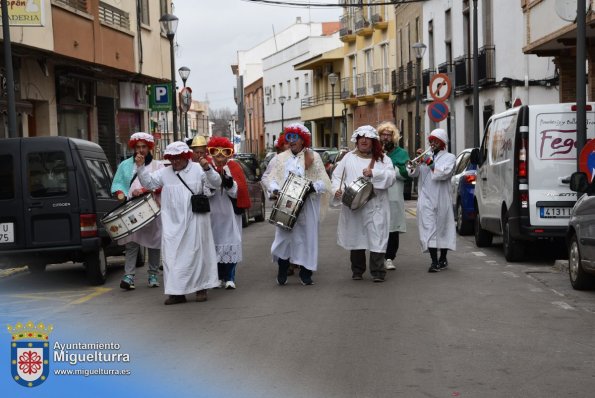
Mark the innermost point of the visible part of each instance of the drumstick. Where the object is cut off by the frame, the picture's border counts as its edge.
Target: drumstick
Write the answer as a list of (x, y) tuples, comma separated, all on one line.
[(342, 178)]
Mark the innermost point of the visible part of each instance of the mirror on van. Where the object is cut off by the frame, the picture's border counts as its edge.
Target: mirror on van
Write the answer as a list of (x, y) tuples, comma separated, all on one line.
[(474, 158), (578, 182)]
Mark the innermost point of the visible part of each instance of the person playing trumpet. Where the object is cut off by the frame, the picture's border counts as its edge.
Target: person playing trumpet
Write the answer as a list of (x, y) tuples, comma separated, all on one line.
[(367, 227), (435, 218)]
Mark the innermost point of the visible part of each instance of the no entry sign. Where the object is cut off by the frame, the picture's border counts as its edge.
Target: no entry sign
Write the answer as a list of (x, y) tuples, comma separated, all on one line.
[(437, 111)]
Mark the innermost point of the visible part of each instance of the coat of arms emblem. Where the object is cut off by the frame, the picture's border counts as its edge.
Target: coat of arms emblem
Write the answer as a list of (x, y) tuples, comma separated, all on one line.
[(29, 353)]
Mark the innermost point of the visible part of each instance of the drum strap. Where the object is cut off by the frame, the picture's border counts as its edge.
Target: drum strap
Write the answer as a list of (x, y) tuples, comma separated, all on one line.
[(133, 178), (184, 182)]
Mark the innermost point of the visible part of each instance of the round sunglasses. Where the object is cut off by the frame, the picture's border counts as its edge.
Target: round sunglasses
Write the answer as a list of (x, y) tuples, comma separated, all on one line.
[(214, 151)]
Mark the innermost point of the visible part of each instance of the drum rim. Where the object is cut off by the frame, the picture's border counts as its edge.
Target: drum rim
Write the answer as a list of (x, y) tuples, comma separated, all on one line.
[(145, 197)]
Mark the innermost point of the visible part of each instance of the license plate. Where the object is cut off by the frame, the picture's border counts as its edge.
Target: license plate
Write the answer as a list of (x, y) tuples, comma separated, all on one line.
[(555, 212), (6, 232)]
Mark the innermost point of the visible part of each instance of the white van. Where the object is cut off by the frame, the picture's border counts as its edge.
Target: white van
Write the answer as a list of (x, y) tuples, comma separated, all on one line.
[(524, 165)]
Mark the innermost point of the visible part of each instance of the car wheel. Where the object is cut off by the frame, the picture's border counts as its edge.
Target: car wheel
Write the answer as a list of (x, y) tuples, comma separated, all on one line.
[(260, 217), (483, 238), (96, 267), (36, 268), (464, 227), (513, 249), (579, 279)]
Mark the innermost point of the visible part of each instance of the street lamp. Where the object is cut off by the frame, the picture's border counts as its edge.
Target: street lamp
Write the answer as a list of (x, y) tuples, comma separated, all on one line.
[(282, 102), (184, 73), (419, 49), (250, 128), (332, 78), (169, 25)]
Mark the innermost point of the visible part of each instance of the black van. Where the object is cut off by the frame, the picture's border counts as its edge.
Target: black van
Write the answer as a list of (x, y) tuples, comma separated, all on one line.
[(53, 192)]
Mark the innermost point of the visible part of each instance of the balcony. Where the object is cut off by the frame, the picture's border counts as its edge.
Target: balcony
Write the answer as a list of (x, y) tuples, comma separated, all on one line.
[(347, 93), (79, 5), (400, 79), (364, 87), (462, 81), (379, 19), (445, 67), (380, 83), (346, 30), (487, 66), (363, 27), (113, 16), (410, 75), (426, 75)]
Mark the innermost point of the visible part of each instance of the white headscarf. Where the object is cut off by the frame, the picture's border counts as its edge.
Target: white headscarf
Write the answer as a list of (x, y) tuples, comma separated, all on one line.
[(140, 136), (364, 131), (177, 148)]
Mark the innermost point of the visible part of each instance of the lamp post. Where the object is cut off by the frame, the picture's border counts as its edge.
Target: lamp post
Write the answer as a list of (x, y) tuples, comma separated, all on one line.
[(332, 78), (419, 49), (169, 25), (282, 102), (184, 73), (250, 128)]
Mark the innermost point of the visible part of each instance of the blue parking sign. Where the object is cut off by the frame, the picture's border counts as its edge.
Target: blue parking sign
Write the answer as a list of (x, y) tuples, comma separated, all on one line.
[(160, 97)]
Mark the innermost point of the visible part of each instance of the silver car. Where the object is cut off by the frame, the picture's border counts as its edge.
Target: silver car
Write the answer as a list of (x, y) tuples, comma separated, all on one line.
[(581, 234)]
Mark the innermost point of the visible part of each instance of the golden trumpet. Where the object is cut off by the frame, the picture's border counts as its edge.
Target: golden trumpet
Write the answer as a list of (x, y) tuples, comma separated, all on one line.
[(413, 163)]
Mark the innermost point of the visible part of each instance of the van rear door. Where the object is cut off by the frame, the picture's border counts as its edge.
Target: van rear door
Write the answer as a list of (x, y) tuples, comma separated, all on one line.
[(12, 231), (50, 200), (552, 132)]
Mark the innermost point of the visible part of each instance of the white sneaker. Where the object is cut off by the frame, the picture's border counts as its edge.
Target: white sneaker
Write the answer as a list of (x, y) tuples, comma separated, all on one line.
[(230, 285), (388, 264)]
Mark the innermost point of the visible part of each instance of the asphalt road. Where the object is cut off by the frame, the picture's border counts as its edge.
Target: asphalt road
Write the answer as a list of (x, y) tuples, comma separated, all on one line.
[(482, 328)]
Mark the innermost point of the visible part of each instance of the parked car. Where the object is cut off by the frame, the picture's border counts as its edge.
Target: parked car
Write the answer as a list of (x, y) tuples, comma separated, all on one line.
[(53, 193), (463, 188), (581, 234), (328, 159), (257, 210), (523, 167), (251, 161), (265, 161), (338, 158)]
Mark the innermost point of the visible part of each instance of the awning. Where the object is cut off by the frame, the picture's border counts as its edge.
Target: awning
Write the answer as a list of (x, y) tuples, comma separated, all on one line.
[(561, 40), (320, 59)]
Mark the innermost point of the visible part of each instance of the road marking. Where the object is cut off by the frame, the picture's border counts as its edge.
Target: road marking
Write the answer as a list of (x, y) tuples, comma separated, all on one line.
[(558, 293), (535, 289), (98, 291), (479, 254), (563, 305), (491, 261), (511, 274), (68, 297)]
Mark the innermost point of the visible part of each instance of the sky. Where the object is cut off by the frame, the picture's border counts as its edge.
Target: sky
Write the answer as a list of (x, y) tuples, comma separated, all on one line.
[(210, 32)]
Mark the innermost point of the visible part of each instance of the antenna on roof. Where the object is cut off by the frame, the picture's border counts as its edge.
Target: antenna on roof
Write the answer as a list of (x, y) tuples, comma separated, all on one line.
[(275, 37)]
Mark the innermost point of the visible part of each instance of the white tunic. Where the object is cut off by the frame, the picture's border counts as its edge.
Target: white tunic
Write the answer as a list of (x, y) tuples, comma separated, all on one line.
[(367, 227), (150, 235), (300, 245), (396, 202), (187, 247), (227, 233), (435, 217)]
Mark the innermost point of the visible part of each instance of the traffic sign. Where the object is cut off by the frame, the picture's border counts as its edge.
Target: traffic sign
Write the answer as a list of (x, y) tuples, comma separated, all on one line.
[(160, 97), (586, 160), (440, 86), (185, 99), (437, 111)]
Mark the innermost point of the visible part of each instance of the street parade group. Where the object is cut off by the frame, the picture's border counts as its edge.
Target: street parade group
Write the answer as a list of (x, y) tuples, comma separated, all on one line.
[(196, 235)]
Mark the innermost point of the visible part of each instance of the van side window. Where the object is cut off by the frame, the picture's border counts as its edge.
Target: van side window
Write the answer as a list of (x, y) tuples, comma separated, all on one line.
[(47, 174), (99, 172), (484, 145), (6, 177)]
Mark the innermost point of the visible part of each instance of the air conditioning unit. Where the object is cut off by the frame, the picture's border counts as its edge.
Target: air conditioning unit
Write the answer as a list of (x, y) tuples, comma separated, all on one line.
[(267, 90)]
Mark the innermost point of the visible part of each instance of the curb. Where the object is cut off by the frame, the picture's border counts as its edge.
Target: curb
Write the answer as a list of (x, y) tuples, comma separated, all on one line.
[(5, 273), (561, 265)]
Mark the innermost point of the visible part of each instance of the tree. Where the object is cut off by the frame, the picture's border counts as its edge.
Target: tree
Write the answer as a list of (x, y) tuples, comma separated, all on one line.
[(220, 119)]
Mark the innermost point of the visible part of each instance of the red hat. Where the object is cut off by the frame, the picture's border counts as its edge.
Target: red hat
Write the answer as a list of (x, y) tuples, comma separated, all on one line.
[(300, 130)]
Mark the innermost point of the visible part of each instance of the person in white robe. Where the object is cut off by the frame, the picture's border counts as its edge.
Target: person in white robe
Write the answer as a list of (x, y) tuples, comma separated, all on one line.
[(389, 137), (300, 245), (227, 203), (127, 186), (367, 227), (435, 218), (187, 246)]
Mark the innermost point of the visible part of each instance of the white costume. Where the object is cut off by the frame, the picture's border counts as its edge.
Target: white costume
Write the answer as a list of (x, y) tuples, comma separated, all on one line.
[(367, 227), (300, 245), (188, 250), (266, 175), (435, 216)]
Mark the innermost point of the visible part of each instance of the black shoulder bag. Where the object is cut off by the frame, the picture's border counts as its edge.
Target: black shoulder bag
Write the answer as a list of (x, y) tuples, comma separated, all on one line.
[(199, 202)]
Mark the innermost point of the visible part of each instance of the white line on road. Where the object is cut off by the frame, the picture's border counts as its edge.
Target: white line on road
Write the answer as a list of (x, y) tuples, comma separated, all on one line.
[(558, 293), (479, 254), (511, 274), (563, 305), (491, 261)]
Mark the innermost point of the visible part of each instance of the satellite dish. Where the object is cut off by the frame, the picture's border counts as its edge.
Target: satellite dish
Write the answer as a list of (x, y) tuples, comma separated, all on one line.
[(566, 9)]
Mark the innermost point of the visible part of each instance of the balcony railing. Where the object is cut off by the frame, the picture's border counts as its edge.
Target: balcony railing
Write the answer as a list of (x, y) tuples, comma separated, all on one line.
[(380, 81), (445, 67), (410, 75), (111, 15), (426, 75), (346, 25), (80, 5), (347, 88), (363, 84), (487, 65), (462, 75), (318, 100)]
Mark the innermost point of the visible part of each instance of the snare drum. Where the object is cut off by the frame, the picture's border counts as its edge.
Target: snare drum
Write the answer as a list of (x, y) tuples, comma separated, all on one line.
[(289, 204), (358, 193), (131, 216)]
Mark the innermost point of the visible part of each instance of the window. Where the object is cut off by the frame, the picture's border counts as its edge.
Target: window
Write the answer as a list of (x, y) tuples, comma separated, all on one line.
[(101, 177), (431, 43), (6, 177), (144, 11), (47, 174), (289, 89), (162, 7), (306, 85), (297, 87)]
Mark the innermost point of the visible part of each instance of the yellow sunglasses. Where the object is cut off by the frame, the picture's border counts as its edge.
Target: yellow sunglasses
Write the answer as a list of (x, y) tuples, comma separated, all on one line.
[(214, 151)]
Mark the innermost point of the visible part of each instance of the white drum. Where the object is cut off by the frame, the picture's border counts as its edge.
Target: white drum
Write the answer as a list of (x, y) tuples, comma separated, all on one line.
[(288, 205), (131, 216), (358, 193)]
